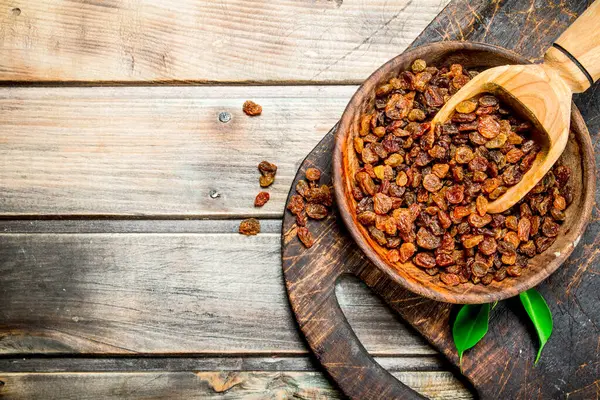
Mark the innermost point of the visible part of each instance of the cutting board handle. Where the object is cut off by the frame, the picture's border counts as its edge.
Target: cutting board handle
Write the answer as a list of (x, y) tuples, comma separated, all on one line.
[(575, 55), (345, 358)]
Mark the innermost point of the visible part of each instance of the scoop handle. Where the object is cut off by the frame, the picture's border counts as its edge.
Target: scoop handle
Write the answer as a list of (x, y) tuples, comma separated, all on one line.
[(576, 53)]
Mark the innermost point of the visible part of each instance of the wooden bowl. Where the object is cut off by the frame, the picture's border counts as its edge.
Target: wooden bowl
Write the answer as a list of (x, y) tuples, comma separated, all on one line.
[(578, 155)]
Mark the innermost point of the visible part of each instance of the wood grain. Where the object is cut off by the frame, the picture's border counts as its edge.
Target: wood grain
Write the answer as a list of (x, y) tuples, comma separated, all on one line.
[(165, 294), (208, 41), (178, 363), (204, 385), (582, 41), (159, 152)]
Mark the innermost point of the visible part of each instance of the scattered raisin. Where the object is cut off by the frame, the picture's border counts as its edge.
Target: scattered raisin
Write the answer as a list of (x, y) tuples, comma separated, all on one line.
[(316, 211), (305, 237), (251, 108), (261, 199), (313, 174), (250, 227)]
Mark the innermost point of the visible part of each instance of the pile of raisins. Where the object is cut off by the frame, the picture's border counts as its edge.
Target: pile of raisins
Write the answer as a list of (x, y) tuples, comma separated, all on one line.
[(312, 201), (423, 193)]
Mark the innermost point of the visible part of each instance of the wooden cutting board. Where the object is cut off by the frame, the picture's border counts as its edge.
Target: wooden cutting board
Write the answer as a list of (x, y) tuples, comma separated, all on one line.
[(501, 366)]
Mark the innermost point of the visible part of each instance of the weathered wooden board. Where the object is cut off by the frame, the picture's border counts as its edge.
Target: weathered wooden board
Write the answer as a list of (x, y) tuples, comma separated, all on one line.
[(155, 151), (165, 293), (203, 385), (205, 41), (178, 363)]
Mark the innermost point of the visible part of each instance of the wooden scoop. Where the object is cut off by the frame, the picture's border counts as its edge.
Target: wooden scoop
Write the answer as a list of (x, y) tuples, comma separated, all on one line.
[(542, 94)]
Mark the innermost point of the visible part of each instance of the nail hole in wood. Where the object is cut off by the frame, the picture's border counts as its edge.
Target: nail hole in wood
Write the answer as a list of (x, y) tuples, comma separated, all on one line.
[(224, 117), (16, 11), (214, 194)]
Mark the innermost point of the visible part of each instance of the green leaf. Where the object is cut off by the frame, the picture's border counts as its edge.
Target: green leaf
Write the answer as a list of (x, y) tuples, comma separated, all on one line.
[(470, 326), (540, 315)]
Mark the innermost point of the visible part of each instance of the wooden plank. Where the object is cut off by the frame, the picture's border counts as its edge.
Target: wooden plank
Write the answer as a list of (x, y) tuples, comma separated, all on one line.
[(132, 226), (205, 41), (155, 151), (165, 294), (51, 363), (205, 385)]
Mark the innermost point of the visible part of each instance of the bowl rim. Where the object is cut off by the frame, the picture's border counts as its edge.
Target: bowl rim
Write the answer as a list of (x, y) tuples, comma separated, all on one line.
[(441, 294)]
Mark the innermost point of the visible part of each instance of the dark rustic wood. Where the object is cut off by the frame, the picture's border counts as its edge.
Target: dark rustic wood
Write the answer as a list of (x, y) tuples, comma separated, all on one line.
[(501, 366)]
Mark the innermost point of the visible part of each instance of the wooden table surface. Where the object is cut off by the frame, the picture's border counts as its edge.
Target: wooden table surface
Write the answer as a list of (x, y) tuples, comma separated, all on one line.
[(122, 274)]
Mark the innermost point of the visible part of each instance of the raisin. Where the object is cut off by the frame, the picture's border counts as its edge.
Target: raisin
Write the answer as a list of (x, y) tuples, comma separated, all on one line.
[(455, 194), (382, 204), (559, 203), (488, 101), (470, 241), (440, 170), (497, 193), (478, 221), (500, 275), (488, 246), (249, 227), (506, 248), (313, 174), (398, 106), (261, 199), (479, 269), (393, 242), (481, 205), (509, 259), (488, 126), (302, 188), (549, 228), (296, 204), (557, 214), (512, 175), (393, 256), (444, 219), (463, 155), (514, 155), (562, 174), (514, 270), (305, 237), (527, 162), (478, 164), (450, 279), (428, 240), (251, 108), (366, 183), (524, 229), (528, 248), (466, 106), (267, 169), (424, 260), (316, 211), (432, 183), (512, 238), (434, 97), (512, 222), (301, 219), (460, 118), (407, 250), (266, 181)]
